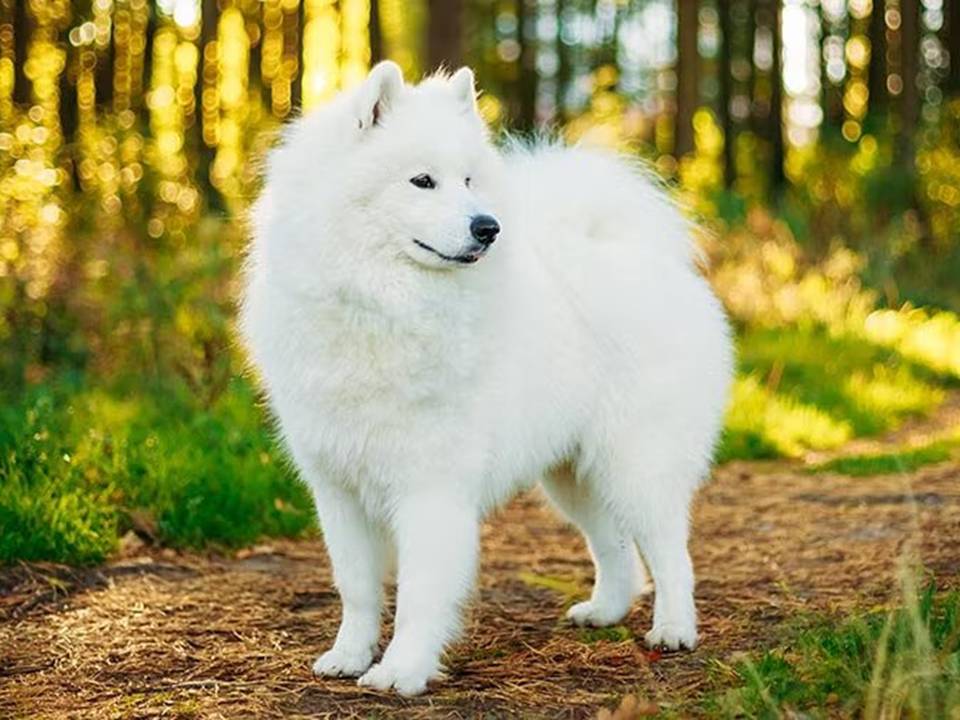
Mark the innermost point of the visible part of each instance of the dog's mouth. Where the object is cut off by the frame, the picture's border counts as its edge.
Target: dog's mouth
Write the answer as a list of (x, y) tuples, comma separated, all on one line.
[(467, 258)]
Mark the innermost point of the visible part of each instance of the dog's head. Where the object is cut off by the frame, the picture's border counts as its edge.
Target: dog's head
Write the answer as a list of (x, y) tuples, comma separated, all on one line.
[(426, 167), (382, 185)]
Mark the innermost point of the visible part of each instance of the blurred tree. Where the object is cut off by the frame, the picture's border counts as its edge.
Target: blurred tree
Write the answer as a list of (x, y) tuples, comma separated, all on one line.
[(376, 38), (444, 34), (204, 94), (208, 33), (910, 95), (831, 92), (294, 23), (149, 35), (775, 124), (606, 51), (877, 73), (402, 28), (768, 91), (564, 66), (725, 71), (6, 57), (104, 59), (773, 129), (254, 17), (952, 35), (21, 39), (68, 98), (688, 61), (526, 105)]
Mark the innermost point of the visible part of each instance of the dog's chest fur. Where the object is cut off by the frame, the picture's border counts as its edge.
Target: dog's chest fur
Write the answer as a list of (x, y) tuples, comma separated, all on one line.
[(355, 387)]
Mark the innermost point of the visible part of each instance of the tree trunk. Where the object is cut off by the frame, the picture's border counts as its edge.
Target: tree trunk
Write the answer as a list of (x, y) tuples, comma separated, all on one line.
[(103, 78), (564, 66), (831, 94), (726, 93), (68, 98), (256, 59), (910, 97), (688, 61), (296, 36), (877, 72), (606, 53), (375, 36), (148, 33), (209, 17), (21, 40), (776, 101), (527, 80), (208, 33), (444, 34), (952, 31)]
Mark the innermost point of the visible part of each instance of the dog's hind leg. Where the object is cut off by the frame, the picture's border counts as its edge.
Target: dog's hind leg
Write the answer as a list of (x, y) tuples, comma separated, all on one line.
[(620, 575), (358, 554), (651, 492)]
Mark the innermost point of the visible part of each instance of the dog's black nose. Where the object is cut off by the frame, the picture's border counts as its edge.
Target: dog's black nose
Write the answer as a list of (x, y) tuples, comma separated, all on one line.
[(484, 229)]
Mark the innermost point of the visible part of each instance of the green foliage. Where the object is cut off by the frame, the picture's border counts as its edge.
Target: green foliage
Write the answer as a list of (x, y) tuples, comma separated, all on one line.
[(938, 163), (901, 663), (866, 386), (856, 194), (803, 388), (116, 264), (81, 466), (614, 633), (83, 461), (566, 586), (888, 463), (764, 424)]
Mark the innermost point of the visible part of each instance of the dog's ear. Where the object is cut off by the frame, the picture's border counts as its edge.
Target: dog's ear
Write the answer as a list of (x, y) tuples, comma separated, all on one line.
[(463, 87), (379, 90)]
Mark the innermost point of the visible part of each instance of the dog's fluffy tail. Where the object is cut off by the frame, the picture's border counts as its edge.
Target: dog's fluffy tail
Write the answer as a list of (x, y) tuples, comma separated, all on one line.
[(603, 194)]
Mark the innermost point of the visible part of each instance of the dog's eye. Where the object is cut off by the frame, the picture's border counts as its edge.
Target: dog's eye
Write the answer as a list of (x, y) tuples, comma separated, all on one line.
[(466, 181), (423, 181)]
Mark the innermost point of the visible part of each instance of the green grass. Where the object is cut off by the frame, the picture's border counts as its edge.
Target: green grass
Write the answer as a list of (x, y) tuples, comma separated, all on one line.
[(888, 463), (804, 389), (81, 466), (83, 461), (572, 590), (614, 633), (900, 663)]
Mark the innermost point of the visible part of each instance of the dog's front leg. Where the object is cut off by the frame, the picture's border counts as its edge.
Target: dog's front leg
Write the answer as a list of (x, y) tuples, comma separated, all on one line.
[(437, 546), (357, 554)]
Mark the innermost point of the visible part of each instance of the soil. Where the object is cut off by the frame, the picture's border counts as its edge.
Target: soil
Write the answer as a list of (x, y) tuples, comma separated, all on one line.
[(162, 634)]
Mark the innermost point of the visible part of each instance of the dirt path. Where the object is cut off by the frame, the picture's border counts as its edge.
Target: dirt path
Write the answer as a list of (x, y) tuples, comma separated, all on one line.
[(166, 635)]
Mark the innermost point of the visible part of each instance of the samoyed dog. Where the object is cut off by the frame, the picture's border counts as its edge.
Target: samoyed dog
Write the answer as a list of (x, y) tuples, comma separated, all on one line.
[(438, 324)]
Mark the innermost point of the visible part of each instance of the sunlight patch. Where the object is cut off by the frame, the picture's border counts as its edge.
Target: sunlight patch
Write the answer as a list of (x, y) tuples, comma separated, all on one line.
[(787, 424)]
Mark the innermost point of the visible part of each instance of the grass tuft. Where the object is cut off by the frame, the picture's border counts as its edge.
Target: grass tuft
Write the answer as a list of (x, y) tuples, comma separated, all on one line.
[(900, 663), (614, 633), (888, 463), (568, 587), (803, 388), (79, 468), (82, 463)]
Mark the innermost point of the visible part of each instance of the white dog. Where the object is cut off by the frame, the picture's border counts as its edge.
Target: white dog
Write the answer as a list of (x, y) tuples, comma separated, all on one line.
[(438, 325)]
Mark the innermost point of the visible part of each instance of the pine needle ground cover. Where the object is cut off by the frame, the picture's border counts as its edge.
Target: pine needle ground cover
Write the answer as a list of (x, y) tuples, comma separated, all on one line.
[(798, 574)]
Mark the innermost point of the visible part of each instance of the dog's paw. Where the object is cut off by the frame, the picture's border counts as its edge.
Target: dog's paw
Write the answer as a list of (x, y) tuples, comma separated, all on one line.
[(596, 614), (672, 636), (343, 662), (408, 680)]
